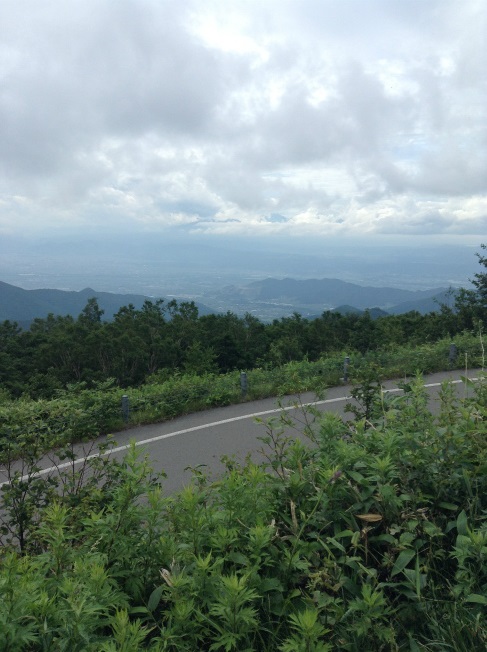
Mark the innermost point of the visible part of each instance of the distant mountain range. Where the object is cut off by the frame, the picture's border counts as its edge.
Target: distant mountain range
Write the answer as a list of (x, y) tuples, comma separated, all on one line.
[(266, 299), (314, 296), (23, 306)]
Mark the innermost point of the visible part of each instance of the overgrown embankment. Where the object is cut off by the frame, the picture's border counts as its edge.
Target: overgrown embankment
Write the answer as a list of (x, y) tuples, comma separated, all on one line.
[(82, 414), (372, 538)]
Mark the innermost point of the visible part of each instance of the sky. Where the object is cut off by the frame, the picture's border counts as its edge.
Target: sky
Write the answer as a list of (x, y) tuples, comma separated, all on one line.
[(316, 118)]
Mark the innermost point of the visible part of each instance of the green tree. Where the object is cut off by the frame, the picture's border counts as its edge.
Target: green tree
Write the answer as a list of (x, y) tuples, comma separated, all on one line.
[(10, 357), (183, 328), (480, 279), (254, 340), (288, 339), (125, 347), (200, 359), (91, 313), (363, 336), (471, 305), (326, 333), (227, 336)]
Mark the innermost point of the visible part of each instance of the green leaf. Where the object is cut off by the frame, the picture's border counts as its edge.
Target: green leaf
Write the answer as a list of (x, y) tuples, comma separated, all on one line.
[(413, 646), (388, 538), (238, 558), (462, 523), (402, 561), (336, 544), (407, 538), (270, 584), (450, 506), (139, 610), (451, 525), (343, 534), (155, 598), (475, 597), (431, 529), (358, 477)]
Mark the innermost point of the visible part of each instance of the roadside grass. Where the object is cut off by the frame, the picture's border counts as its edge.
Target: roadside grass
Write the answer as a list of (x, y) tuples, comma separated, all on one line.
[(81, 414), (372, 538)]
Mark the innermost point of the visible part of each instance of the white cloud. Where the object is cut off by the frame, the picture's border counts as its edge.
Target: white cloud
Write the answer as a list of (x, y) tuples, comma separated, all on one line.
[(337, 116)]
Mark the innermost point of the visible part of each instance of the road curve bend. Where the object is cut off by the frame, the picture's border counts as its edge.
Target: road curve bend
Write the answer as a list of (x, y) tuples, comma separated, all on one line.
[(203, 438)]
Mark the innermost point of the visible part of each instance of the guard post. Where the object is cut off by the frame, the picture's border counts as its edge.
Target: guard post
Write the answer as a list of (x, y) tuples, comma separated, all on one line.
[(125, 408), (452, 355), (243, 384)]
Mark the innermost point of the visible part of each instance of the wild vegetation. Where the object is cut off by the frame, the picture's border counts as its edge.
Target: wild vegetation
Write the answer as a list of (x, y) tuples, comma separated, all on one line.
[(80, 413), (372, 537), (64, 378), (161, 339)]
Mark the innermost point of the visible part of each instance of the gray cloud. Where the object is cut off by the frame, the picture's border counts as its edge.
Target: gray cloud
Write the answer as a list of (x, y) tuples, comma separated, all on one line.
[(323, 113)]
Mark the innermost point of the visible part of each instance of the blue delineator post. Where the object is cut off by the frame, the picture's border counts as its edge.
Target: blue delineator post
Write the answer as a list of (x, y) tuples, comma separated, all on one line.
[(452, 356), (125, 408), (243, 383)]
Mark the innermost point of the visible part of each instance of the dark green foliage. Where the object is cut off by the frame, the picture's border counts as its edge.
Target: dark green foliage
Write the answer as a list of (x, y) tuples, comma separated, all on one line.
[(471, 305), (165, 338), (368, 539), (480, 279), (82, 413), (366, 394), (373, 538), (58, 351)]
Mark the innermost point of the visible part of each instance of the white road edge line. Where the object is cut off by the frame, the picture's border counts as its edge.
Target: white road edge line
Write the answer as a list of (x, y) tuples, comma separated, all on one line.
[(176, 433)]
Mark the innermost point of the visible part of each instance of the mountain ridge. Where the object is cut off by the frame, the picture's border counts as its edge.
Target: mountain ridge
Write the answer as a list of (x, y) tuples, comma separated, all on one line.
[(333, 291), (23, 306), (315, 296), (268, 298)]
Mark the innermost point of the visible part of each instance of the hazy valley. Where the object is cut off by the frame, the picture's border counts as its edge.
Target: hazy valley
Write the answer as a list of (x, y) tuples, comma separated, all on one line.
[(267, 279)]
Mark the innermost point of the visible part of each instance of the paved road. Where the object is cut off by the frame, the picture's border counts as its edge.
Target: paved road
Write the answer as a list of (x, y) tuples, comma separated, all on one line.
[(201, 439)]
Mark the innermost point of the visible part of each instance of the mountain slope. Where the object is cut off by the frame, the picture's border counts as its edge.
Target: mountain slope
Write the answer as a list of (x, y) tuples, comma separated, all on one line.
[(273, 298), (333, 292), (423, 306), (17, 304)]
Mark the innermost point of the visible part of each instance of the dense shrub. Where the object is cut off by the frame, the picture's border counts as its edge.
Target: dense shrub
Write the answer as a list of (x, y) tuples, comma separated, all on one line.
[(79, 413), (373, 537)]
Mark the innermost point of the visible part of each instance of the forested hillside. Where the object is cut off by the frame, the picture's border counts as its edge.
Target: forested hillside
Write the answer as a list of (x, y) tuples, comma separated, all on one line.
[(23, 306), (374, 537), (332, 291), (162, 338)]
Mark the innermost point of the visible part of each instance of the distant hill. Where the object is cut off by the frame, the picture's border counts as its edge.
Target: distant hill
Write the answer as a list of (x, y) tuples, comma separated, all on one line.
[(334, 293), (22, 306), (423, 306), (314, 296), (267, 299), (350, 310)]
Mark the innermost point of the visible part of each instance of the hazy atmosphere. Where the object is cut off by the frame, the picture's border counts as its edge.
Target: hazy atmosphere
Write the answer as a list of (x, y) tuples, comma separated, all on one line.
[(297, 125)]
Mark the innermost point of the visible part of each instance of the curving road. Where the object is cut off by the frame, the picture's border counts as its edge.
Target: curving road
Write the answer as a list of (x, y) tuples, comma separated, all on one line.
[(202, 438)]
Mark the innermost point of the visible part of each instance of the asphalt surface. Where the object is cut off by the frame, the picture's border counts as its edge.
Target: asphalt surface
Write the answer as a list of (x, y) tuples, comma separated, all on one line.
[(201, 439)]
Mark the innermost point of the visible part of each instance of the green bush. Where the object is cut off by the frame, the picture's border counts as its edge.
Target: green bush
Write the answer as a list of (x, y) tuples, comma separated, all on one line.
[(81, 414), (374, 537)]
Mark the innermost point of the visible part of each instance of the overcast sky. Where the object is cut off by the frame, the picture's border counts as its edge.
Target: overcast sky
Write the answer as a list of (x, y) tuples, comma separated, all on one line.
[(314, 117)]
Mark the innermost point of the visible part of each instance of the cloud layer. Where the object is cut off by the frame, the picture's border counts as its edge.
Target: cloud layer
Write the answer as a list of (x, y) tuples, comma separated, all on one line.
[(314, 117)]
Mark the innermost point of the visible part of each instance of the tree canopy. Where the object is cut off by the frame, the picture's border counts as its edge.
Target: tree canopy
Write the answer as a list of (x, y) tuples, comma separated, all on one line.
[(164, 337)]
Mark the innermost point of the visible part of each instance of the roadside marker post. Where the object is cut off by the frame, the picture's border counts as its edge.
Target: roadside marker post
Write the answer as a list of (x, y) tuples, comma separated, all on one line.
[(243, 384), (125, 408), (452, 356)]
